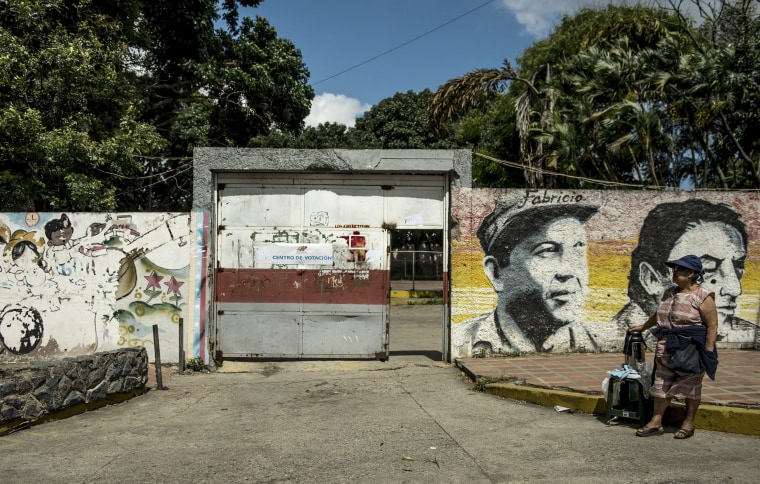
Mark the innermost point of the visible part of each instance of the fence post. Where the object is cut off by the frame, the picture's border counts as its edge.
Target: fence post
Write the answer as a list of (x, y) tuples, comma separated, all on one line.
[(414, 263), (181, 347), (157, 347)]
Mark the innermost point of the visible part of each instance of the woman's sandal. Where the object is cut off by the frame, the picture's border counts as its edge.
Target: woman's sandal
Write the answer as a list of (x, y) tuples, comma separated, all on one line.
[(683, 433), (649, 431)]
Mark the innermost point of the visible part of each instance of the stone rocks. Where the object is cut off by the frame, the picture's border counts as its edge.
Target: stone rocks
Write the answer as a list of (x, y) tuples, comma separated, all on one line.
[(32, 392)]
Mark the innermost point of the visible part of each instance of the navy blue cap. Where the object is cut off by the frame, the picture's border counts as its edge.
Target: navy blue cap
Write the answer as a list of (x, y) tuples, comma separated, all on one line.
[(691, 262)]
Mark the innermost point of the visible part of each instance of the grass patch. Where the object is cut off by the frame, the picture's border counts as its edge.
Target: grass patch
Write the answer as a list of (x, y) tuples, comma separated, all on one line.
[(480, 384), (195, 364), (483, 353)]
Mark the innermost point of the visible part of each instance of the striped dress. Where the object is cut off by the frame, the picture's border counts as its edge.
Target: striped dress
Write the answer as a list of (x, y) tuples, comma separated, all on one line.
[(677, 309)]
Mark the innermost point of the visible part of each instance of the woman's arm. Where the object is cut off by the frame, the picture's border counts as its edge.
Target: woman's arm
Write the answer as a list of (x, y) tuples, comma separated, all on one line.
[(652, 321), (709, 314)]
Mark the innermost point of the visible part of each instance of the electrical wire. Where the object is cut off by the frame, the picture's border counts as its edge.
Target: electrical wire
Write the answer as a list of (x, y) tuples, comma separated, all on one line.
[(534, 169), (166, 179), (404, 44), (161, 158), (595, 181)]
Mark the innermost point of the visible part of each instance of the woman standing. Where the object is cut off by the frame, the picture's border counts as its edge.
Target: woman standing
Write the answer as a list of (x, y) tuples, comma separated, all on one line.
[(685, 309)]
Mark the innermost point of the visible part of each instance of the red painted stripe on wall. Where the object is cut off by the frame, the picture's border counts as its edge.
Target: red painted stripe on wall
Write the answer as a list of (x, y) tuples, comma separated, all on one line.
[(310, 286)]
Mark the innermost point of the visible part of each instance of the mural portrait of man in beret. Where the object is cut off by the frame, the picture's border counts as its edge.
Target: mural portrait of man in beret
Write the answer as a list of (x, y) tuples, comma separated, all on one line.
[(535, 258)]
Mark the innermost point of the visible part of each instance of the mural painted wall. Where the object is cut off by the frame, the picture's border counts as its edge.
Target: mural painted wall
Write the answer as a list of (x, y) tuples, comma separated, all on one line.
[(556, 271), (80, 283)]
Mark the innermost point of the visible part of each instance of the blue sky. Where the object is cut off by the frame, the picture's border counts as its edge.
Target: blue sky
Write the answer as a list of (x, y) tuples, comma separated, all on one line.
[(430, 42)]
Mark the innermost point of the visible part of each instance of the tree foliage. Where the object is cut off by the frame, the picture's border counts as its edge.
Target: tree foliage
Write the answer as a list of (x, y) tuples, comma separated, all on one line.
[(400, 122), (397, 122), (102, 103), (665, 115), (637, 95)]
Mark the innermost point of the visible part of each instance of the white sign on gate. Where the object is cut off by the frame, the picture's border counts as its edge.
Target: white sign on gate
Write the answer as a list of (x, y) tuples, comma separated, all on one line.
[(293, 254)]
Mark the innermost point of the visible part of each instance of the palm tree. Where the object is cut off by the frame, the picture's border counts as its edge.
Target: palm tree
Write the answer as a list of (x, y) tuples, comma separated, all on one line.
[(711, 85), (609, 124), (458, 95), (544, 101)]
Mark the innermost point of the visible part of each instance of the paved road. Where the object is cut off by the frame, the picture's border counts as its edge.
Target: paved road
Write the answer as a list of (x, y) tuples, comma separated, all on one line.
[(411, 419), (406, 420)]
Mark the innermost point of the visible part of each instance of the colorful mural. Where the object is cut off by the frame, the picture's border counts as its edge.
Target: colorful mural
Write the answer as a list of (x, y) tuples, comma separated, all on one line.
[(79, 283), (531, 270), (554, 271)]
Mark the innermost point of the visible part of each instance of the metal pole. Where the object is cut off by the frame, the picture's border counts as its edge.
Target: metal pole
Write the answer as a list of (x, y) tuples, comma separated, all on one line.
[(414, 262), (156, 346), (181, 347)]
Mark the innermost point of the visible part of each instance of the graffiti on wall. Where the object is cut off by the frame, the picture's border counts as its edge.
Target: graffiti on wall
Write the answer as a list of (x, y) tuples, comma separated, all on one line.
[(281, 263), (73, 284), (350, 249), (554, 271)]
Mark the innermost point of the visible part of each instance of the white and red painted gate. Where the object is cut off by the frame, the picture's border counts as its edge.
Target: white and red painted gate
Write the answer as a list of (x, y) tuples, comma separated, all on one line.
[(302, 268)]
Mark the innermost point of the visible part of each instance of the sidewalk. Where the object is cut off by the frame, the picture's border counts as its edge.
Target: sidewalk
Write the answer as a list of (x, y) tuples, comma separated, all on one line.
[(575, 380), (436, 286), (401, 421)]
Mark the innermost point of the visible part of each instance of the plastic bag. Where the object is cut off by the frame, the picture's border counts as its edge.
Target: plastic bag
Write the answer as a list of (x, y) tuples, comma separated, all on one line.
[(615, 390)]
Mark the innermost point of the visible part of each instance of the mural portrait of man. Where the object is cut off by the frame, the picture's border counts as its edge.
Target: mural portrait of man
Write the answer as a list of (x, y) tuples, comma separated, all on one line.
[(712, 231), (535, 258)]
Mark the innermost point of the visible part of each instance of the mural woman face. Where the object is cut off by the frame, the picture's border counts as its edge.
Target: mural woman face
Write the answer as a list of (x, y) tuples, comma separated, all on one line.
[(722, 254), (551, 264)]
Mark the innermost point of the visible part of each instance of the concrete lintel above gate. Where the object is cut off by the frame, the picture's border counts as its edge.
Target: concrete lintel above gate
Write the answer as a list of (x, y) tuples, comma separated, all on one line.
[(206, 161)]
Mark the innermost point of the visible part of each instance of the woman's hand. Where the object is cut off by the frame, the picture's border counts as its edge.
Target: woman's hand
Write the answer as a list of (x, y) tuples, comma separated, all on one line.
[(643, 327)]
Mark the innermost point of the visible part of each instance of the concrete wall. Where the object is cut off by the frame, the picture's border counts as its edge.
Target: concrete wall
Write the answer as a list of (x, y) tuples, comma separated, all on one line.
[(213, 167), (208, 161), (79, 283), (568, 289)]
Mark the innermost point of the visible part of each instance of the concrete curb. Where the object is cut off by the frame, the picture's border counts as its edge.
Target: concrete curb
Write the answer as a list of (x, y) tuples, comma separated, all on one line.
[(737, 420), (10, 426), (578, 402)]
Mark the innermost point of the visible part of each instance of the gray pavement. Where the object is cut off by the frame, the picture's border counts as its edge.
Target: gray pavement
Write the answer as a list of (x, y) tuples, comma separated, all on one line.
[(410, 419)]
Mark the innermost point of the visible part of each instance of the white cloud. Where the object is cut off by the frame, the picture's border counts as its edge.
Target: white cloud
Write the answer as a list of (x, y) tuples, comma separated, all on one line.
[(539, 17), (335, 108)]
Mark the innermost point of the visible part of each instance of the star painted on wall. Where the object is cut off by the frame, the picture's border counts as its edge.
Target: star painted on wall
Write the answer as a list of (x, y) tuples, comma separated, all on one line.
[(173, 286), (154, 280)]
